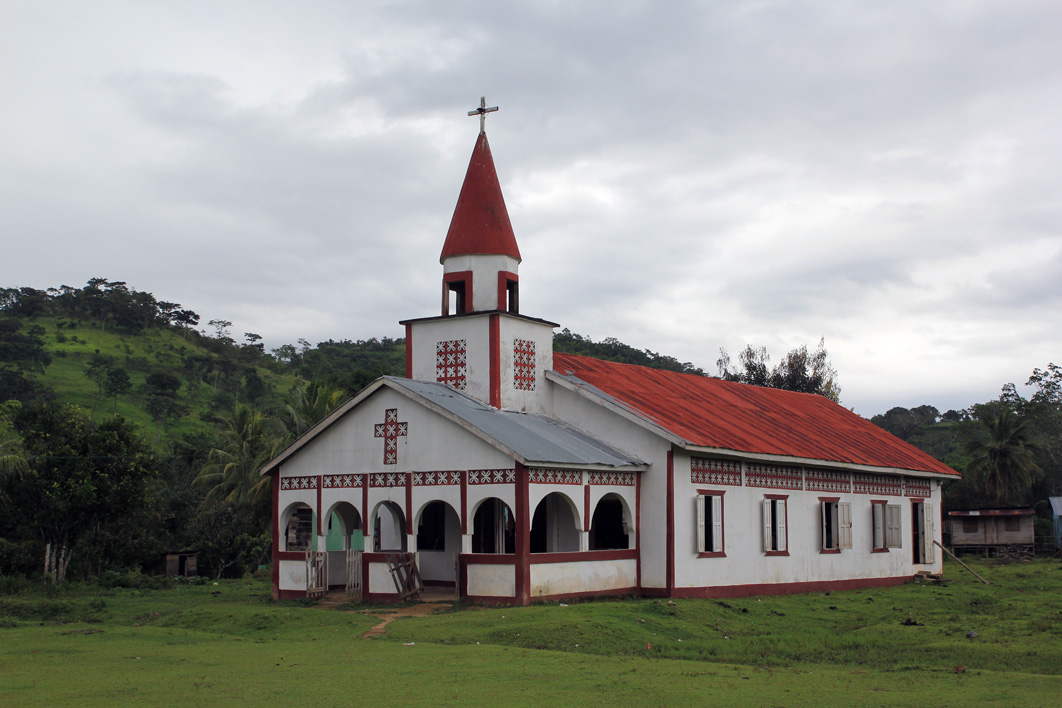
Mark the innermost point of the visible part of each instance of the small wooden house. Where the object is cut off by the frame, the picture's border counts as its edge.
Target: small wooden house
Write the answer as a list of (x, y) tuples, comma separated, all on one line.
[(990, 530)]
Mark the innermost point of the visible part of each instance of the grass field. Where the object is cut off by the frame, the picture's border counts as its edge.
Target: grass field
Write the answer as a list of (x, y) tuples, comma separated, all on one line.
[(228, 644)]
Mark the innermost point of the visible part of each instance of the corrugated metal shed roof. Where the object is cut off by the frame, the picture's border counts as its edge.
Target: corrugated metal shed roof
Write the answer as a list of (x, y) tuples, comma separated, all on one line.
[(536, 439), (707, 412), (1056, 505)]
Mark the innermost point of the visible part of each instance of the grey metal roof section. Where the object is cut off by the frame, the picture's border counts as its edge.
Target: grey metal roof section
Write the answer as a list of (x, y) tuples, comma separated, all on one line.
[(536, 439), (1056, 505)]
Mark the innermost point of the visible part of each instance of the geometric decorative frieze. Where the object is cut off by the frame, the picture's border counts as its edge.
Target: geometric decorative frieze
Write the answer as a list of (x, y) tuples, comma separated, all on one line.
[(434, 479), (773, 476), (492, 476), (916, 487), (451, 363), (708, 470), (619, 479), (876, 484), (390, 430), (298, 483), (524, 364), (388, 479), (338, 481), (550, 476), (827, 481)]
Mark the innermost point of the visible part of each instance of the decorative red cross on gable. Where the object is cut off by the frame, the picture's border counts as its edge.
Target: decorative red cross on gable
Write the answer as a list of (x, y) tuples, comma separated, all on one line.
[(390, 430)]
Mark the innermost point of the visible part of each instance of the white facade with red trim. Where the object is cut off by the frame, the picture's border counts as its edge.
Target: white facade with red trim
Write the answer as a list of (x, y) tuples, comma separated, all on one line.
[(514, 482)]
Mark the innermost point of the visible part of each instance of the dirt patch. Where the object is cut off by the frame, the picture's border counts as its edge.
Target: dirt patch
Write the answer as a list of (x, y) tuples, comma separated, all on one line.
[(421, 609)]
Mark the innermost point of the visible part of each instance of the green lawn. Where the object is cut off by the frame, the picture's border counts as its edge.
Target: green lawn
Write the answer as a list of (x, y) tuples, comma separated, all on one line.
[(230, 645)]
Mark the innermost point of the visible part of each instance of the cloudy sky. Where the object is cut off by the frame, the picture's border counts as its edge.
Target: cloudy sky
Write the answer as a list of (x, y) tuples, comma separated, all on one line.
[(681, 176)]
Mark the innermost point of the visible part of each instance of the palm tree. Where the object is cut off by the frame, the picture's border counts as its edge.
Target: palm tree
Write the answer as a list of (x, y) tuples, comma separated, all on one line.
[(1005, 463), (11, 460), (313, 403), (244, 444)]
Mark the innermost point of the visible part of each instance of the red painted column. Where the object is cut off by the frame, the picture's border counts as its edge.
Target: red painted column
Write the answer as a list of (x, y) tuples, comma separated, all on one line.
[(320, 521), (409, 503), (464, 502), (638, 526), (670, 522), (409, 351), (523, 537), (586, 506), (365, 505), (495, 361)]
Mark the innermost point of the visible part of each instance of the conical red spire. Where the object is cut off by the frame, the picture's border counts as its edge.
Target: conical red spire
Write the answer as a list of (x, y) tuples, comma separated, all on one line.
[(480, 225)]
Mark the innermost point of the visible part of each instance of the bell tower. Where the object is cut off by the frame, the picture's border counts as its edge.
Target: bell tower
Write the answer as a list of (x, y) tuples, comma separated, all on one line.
[(480, 257), (480, 343)]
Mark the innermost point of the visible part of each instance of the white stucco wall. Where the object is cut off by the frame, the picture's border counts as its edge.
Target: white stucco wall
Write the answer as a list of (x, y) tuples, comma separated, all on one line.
[(491, 580), (513, 328), (747, 564), (579, 577), (293, 575), (474, 330), (640, 443)]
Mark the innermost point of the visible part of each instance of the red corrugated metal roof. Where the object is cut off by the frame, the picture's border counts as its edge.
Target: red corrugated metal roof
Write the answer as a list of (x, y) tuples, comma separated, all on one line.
[(480, 224), (711, 412)]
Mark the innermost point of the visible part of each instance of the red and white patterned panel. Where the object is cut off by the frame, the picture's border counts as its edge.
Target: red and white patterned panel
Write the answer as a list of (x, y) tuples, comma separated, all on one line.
[(298, 483), (390, 430), (773, 476), (548, 476), (387, 479), (339, 481), (616, 479), (706, 470), (434, 479), (916, 487), (827, 481), (876, 484), (524, 364), (491, 476), (451, 363)]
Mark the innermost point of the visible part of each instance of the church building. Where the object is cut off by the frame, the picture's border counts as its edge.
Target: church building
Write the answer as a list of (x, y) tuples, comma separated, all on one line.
[(513, 474)]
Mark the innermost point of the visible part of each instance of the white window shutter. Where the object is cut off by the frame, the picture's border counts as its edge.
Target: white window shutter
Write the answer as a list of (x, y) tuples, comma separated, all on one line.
[(893, 533), (767, 529), (700, 523), (844, 517), (824, 509), (717, 524), (781, 523), (878, 522), (927, 535)]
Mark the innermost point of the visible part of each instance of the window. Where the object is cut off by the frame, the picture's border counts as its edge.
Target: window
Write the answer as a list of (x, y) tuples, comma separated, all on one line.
[(1011, 524), (710, 524), (836, 524), (886, 521), (969, 524), (775, 533)]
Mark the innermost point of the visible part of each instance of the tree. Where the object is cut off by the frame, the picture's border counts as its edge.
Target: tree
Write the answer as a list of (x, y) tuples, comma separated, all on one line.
[(799, 370), (11, 459), (80, 476), (1004, 463), (312, 404), (245, 442), (117, 383)]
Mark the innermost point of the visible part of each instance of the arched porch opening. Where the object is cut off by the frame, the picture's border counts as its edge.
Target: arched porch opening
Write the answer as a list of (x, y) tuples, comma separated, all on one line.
[(553, 526), (493, 527), (388, 528), (610, 524), (438, 542), (344, 528), (296, 528)]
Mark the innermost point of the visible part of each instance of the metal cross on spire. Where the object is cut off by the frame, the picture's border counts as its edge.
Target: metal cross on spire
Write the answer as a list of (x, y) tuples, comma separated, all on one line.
[(482, 112)]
